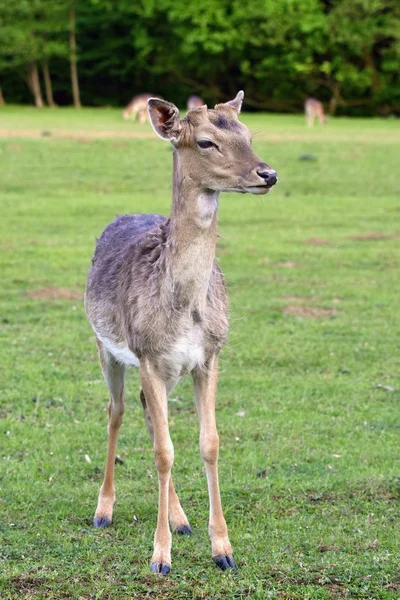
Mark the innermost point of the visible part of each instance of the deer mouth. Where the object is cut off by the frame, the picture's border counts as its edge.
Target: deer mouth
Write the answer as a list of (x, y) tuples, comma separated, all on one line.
[(258, 189)]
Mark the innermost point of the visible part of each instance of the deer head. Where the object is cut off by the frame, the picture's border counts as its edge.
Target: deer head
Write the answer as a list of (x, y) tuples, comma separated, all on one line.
[(213, 146)]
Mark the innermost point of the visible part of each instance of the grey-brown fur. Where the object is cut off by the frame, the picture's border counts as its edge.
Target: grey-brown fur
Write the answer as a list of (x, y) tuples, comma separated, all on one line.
[(156, 298), (129, 300), (314, 109)]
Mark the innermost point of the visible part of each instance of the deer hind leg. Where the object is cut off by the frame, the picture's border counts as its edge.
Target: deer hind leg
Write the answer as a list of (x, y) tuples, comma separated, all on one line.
[(114, 375), (155, 392), (177, 518), (205, 384)]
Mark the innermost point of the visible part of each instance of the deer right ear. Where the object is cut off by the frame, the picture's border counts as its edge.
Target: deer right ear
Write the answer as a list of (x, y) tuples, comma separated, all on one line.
[(165, 119), (236, 103)]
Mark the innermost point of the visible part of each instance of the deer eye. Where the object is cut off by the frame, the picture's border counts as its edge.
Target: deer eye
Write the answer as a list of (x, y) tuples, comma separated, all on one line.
[(205, 144)]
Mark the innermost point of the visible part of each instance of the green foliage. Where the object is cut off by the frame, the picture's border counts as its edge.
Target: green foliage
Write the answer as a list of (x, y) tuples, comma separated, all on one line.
[(367, 37), (309, 472), (280, 52), (31, 30)]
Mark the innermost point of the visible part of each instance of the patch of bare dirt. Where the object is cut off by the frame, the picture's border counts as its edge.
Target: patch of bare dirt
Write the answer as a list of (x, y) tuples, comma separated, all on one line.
[(336, 590), (55, 293), (286, 264), (373, 235), (388, 492), (392, 585), (327, 548), (14, 147), (82, 136), (26, 585), (308, 312), (300, 298), (20, 132), (317, 241)]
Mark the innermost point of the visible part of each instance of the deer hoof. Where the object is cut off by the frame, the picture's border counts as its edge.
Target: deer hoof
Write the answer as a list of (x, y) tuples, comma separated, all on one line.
[(225, 562), (101, 522), (160, 568), (184, 530)]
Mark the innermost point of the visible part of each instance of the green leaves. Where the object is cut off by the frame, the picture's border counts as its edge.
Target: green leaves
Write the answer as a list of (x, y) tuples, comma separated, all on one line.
[(279, 51), (32, 31)]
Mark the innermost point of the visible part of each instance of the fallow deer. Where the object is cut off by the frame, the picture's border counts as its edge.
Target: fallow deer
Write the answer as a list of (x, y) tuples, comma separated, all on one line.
[(194, 102), (314, 109), (156, 300), (137, 108)]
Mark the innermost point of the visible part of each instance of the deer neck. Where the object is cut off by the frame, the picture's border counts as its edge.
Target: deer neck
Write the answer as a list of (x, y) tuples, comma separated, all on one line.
[(192, 239)]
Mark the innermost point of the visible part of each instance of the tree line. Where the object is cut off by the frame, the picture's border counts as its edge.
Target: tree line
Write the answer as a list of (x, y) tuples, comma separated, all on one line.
[(102, 52)]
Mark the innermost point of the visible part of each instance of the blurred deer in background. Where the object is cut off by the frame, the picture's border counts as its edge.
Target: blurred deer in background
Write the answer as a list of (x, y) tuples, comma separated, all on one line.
[(314, 109), (194, 102), (156, 299), (137, 108)]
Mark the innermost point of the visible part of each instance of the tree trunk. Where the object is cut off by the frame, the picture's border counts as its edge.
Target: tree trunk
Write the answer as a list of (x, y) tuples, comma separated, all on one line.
[(335, 99), (47, 84), (333, 105), (33, 82), (72, 57), (2, 101), (370, 64)]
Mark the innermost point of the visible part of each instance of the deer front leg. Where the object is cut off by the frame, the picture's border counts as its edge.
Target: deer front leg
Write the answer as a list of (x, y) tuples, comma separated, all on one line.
[(177, 518), (114, 375), (155, 392), (205, 384)]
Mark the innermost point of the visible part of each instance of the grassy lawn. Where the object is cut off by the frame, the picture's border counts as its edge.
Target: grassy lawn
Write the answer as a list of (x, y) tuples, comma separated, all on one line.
[(308, 403)]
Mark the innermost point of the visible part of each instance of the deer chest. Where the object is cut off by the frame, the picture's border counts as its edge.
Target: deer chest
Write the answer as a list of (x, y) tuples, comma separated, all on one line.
[(184, 354)]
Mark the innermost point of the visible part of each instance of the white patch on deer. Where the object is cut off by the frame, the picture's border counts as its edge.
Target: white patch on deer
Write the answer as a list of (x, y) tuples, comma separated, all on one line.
[(207, 204), (120, 352), (185, 354)]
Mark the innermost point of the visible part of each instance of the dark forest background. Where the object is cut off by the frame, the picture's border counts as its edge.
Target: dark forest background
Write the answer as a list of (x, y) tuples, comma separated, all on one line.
[(103, 52)]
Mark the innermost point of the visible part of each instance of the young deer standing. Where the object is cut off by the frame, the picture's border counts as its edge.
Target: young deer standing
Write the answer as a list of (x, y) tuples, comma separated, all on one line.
[(194, 102), (156, 299), (137, 108), (314, 109)]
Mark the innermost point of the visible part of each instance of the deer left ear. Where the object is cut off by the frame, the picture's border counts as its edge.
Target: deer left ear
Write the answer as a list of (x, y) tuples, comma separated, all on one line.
[(165, 119), (237, 102)]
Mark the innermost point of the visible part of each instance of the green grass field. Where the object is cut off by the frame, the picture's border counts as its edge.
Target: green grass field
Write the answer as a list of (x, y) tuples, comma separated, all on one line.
[(308, 403)]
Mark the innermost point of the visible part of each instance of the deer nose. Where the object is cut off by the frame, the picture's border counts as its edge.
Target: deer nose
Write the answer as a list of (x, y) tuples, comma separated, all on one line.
[(269, 175)]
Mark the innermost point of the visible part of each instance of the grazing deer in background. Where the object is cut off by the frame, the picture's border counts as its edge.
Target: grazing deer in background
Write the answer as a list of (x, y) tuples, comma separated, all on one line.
[(137, 108), (314, 109), (156, 300), (194, 102)]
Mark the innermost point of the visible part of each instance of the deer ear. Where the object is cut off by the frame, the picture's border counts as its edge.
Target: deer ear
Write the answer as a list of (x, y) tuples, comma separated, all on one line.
[(237, 102), (165, 119)]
